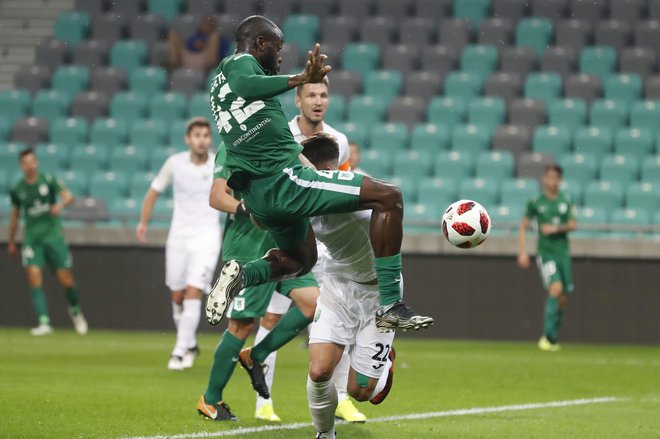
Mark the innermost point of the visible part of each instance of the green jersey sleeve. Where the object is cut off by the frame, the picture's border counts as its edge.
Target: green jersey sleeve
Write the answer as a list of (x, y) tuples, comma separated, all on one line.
[(530, 211), (56, 184), (220, 170), (572, 209), (246, 80), (15, 201)]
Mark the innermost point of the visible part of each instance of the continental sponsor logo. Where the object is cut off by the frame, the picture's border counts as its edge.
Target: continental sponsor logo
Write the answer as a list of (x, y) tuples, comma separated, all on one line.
[(251, 132)]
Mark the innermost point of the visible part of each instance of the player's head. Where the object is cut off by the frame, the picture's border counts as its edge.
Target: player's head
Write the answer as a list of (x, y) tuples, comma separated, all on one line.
[(322, 150), (313, 100), (198, 135), (261, 38), (354, 155), (28, 162), (552, 177)]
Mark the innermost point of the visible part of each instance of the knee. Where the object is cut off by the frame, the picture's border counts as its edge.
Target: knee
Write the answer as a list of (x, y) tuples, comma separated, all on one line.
[(269, 320), (556, 290), (34, 278), (241, 329), (319, 373), (192, 293), (360, 394)]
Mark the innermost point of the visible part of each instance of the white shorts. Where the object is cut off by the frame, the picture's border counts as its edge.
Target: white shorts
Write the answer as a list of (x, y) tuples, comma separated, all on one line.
[(191, 262), (279, 304), (345, 315)]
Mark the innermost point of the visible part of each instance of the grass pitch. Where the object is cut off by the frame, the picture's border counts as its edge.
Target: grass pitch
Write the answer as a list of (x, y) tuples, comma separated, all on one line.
[(115, 384)]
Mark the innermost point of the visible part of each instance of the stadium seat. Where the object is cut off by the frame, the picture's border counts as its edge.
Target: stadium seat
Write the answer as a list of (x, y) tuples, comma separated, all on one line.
[(598, 61), (551, 140), (593, 141), (339, 30), (108, 80), (408, 186), (447, 111), (151, 27), (400, 57), (429, 137), (423, 218), (388, 137), (89, 105), (168, 106), (176, 133), (128, 159), (532, 164), (14, 104), (463, 85), (71, 80), (128, 54), (30, 130), (91, 53), (612, 33), (407, 110), (361, 58), (88, 159), (517, 60), (336, 110), (108, 186), (128, 106), (414, 164), (110, 27), (156, 160), (72, 26), (561, 60), (358, 133), (52, 158), (603, 194), (627, 11), (567, 113), (581, 86), (479, 59), (417, 31), (609, 114), (624, 87), (51, 53), (33, 78), (579, 167), (437, 191), (487, 112), (505, 219), (516, 192), (639, 61), (376, 163), (496, 32), (482, 191), (473, 10), (4, 129), (301, 31), (148, 133), (378, 30), (574, 189), (70, 131), (148, 80), (455, 33), (186, 81), (366, 110), (439, 59), (199, 106), (108, 133), (647, 35), (591, 222), (383, 84), (471, 139), (545, 87), (168, 9), (126, 209), (495, 165), (50, 105), (139, 182), (643, 196), (77, 181), (650, 169), (453, 165), (514, 138), (634, 141), (619, 168), (645, 114), (629, 223), (535, 33)]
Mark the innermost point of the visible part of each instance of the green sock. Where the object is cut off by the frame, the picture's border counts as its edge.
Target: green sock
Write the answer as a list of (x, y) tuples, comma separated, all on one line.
[(256, 273), (40, 305), (224, 362), (388, 270), (560, 320), (286, 329), (72, 297), (550, 326)]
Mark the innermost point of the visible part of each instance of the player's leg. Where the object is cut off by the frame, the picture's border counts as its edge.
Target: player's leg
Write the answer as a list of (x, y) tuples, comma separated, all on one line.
[(33, 260), (66, 279), (553, 284), (566, 274), (346, 410), (321, 391), (175, 279), (186, 340)]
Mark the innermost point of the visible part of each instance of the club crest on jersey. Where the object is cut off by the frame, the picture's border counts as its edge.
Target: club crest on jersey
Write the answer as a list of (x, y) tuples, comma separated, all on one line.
[(563, 208), (43, 190), (243, 127), (317, 315)]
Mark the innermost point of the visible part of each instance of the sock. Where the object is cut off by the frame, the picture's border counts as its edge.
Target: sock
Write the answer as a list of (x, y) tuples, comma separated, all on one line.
[(340, 375), (388, 270), (72, 296), (286, 329), (322, 398), (40, 305), (560, 320), (185, 334), (270, 369), (224, 362), (550, 326), (382, 381), (256, 273), (176, 313)]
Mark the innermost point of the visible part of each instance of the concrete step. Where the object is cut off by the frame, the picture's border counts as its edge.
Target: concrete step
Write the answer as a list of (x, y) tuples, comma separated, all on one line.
[(25, 40), (38, 4), (37, 13), (21, 32)]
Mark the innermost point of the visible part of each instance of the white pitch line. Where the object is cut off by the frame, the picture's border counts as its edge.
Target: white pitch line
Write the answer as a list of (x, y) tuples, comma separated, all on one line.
[(459, 412)]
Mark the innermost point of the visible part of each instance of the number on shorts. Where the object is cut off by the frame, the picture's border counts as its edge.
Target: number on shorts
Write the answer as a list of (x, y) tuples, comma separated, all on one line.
[(383, 352)]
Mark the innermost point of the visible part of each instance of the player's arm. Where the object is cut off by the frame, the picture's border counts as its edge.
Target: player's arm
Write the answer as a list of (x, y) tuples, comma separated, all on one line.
[(160, 183), (64, 194), (13, 228), (222, 199), (523, 256)]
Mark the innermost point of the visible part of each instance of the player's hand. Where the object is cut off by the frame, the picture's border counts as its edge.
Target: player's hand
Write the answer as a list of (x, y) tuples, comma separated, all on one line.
[(11, 248), (549, 229), (141, 233), (55, 209), (523, 260), (315, 69)]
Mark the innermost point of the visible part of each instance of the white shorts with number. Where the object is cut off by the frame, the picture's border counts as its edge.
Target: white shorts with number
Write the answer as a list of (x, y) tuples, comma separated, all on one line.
[(345, 315), (191, 261)]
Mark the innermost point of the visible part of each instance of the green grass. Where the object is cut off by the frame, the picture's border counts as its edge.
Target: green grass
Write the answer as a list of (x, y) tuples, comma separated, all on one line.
[(114, 384)]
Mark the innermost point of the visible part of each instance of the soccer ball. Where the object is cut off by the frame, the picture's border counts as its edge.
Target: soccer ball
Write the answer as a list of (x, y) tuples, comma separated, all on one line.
[(466, 224)]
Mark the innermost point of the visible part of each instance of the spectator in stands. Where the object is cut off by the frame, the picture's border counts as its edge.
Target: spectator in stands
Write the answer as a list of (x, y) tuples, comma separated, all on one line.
[(355, 155), (200, 50)]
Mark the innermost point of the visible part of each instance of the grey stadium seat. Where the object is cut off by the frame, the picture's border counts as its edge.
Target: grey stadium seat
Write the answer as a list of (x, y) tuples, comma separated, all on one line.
[(401, 57), (394, 8), (379, 30), (455, 33), (419, 31), (334, 55), (654, 9), (240, 8), (90, 105), (52, 53), (508, 86), (495, 32), (581, 86), (185, 25), (592, 11), (30, 130), (423, 85), (159, 54), (226, 24), (647, 35), (574, 34), (187, 81), (321, 8), (278, 10), (203, 8), (629, 11), (345, 83), (652, 87), (127, 8), (92, 7), (516, 139), (339, 30), (359, 9), (639, 60), (532, 165), (613, 33), (33, 78), (513, 10), (517, 59), (433, 9), (561, 60), (439, 59), (109, 28), (407, 110), (108, 80), (553, 9), (529, 113), (292, 58), (91, 53), (148, 27), (87, 209)]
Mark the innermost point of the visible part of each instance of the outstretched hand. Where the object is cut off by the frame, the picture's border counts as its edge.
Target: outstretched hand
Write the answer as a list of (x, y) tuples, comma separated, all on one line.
[(315, 69)]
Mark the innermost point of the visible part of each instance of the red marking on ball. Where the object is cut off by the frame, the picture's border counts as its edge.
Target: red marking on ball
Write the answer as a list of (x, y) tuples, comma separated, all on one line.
[(465, 207), (463, 229), (483, 220), (444, 229)]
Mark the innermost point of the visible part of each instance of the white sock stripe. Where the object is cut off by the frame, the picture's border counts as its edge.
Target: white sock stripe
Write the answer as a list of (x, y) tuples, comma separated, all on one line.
[(322, 185)]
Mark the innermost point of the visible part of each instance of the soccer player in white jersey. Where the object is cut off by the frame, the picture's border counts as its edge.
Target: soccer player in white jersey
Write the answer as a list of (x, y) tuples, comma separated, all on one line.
[(345, 311), (313, 101), (193, 242)]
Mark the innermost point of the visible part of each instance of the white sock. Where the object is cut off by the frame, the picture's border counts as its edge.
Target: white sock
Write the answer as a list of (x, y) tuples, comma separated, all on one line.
[(176, 313), (340, 375), (270, 366), (185, 334), (322, 398), (383, 379)]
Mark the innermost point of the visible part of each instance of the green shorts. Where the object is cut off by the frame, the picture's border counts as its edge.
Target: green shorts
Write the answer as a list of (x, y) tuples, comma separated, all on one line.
[(53, 251), (283, 202), (253, 302), (555, 268)]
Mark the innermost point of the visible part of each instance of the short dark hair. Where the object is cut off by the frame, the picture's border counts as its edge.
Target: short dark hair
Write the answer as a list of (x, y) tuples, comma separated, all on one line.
[(254, 26), (197, 122), (321, 148), (555, 167), (26, 152), (325, 81)]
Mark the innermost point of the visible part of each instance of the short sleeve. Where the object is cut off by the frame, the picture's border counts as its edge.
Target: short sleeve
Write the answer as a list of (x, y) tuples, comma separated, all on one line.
[(56, 184), (15, 201), (164, 177), (530, 211), (220, 170), (344, 150), (572, 210)]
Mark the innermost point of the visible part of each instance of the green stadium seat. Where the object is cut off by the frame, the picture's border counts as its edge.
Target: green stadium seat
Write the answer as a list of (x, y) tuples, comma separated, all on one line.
[(591, 222), (650, 169), (378, 164), (336, 110), (383, 84), (366, 110), (408, 187), (473, 10), (568, 113), (388, 137), (495, 165), (199, 106), (50, 105), (8, 160), (108, 186), (480, 190), (429, 137), (437, 191), (574, 189), (463, 85), (128, 106), (301, 31), (4, 129), (88, 159), (148, 133), (544, 87), (479, 59), (603, 194), (70, 131), (14, 104), (70, 80), (453, 165), (358, 133), (552, 140), (593, 141), (645, 114), (4, 190), (608, 113), (128, 159), (619, 168), (129, 55), (176, 134), (423, 218), (361, 58), (535, 33), (634, 141), (487, 112), (77, 182), (72, 26), (288, 103), (579, 167), (623, 223), (598, 61), (447, 111), (148, 80), (168, 9), (471, 139), (53, 157), (415, 164), (643, 195), (108, 133), (623, 87), (126, 208), (505, 220), (516, 192), (139, 182), (168, 106)]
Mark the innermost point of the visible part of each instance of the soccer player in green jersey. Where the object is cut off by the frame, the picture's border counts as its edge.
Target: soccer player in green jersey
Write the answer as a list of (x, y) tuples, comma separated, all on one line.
[(281, 189), (555, 215), (41, 197), (243, 242)]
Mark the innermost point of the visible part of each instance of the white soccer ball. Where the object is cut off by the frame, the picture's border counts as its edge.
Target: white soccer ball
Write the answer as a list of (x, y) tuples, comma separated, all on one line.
[(466, 224)]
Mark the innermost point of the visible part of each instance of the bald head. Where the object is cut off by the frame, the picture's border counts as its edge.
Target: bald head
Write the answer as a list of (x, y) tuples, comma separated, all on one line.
[(261, 38)]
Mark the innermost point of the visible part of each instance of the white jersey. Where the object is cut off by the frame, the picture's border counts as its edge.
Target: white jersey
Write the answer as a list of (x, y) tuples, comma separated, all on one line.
[(344, 151), (191, 186)]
